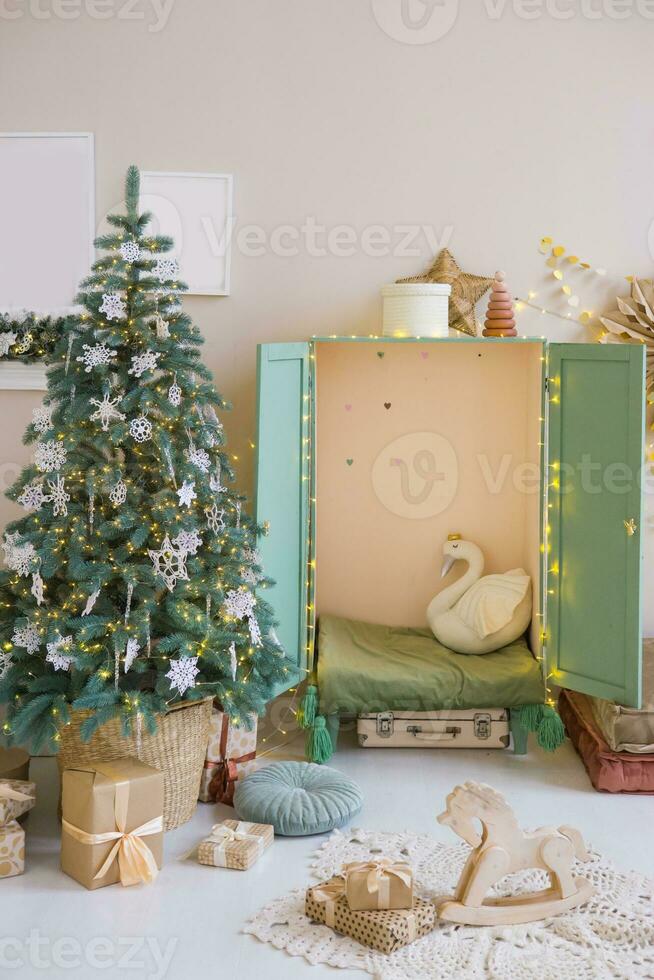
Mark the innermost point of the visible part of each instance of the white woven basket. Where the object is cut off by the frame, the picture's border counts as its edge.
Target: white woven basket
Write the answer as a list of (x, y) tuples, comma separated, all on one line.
[(415, 309)]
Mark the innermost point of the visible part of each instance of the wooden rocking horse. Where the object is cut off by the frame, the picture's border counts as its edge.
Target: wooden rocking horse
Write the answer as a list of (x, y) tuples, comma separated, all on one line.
[(503, 848)]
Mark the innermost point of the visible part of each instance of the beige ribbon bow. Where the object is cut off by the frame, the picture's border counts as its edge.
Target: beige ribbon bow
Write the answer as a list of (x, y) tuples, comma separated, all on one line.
[(136, 861), (328, 894), (378, 877)]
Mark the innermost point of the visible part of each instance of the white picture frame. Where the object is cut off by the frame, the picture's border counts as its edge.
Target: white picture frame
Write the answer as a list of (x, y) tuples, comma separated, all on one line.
[(47, 203), (196, 210)]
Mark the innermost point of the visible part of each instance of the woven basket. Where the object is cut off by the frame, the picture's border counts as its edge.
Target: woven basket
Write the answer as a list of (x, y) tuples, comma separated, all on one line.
[(178, 748)]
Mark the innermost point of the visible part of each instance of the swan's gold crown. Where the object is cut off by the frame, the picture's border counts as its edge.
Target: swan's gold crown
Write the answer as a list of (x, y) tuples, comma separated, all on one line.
[(454, 537)]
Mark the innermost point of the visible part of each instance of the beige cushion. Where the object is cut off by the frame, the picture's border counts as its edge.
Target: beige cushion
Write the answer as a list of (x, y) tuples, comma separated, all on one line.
[(630, 729)]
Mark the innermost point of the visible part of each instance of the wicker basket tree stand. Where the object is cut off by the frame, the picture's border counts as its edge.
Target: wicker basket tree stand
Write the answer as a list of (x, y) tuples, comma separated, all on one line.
[(178, 748)]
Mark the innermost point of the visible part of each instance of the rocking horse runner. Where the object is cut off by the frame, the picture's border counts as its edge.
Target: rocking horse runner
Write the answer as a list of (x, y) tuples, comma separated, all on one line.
[(503, 848)]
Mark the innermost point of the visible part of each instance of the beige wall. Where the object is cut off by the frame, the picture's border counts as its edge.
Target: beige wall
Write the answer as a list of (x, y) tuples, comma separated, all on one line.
[(502, 130)]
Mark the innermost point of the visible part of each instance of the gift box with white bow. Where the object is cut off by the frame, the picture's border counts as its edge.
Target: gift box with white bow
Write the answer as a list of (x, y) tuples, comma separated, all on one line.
[(112, 826), (235, 844), (381, 884), (386, 930), (17, 796)]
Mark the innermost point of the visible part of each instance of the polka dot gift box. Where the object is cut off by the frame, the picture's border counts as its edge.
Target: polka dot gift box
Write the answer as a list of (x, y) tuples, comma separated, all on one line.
[(12, 849)]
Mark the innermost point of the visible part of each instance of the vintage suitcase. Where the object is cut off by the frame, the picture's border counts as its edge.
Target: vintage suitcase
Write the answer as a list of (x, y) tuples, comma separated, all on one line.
[(485, 728)]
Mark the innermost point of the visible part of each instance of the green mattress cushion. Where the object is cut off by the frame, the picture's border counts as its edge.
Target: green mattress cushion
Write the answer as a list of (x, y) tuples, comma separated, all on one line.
[(365, 667)]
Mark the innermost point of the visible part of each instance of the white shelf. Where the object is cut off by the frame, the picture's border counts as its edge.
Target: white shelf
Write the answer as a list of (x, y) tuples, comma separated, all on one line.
[(26, 377)]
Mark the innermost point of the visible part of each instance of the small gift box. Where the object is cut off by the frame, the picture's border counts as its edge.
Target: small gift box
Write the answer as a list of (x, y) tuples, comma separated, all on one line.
[(231, 754), (385, 930), (112, 826), (235, 844), (14, 764), (382, 884), (17, 796), (12, 849)]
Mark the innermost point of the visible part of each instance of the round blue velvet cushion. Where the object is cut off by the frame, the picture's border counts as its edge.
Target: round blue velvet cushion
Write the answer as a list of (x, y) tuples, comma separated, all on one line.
[(297, 798)]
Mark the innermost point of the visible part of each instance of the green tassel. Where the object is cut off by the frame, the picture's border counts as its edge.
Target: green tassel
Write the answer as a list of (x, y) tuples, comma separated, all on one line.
[(306, 713), (319, 744), (530, 716), (551, 733)]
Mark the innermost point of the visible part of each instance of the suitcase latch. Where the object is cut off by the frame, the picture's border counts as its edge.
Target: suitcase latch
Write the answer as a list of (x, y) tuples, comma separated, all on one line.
[(385, 724), (482, 725)]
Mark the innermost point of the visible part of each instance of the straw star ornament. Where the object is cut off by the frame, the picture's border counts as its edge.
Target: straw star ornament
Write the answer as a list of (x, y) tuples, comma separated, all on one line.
[(467, 290)]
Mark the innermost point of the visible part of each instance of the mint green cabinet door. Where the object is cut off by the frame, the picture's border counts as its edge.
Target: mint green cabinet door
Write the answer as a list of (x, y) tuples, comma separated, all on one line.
[(595, 451), (282, 489)]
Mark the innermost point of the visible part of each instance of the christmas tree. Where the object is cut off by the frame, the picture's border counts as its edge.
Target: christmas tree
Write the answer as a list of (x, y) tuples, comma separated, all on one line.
[(133, 580)]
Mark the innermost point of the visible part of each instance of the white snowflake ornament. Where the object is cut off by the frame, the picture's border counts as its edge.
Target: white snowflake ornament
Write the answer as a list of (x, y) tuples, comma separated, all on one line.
[(130, 251), (95, 355), (19, 554), (215, 484), (27, 637), (106, 410), (215, 519), (7, 340), (131, 652), (199, 458), (55, 656), (113, 307), (147, 361), (118, 493), (6, 660), (42, 418), (32, 497), (240, 603), (165, 269), (188, 542), (50, 456), (169, 563), (175, 394), (140, 429), (187, 494), (58, 497), (182, 673)]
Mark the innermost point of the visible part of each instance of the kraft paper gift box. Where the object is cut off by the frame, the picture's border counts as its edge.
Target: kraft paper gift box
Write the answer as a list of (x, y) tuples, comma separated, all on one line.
[(231, 754), (235, 844), (12, 849), (112, 826), (14, 764), (386, 930), (382, 884), (17, 796)]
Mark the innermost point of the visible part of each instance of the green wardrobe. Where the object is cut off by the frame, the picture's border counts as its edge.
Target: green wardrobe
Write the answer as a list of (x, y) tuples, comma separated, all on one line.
[(371, 450)]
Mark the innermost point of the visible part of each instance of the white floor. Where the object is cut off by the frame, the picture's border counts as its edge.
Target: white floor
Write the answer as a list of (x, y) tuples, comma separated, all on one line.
[(188, 923)]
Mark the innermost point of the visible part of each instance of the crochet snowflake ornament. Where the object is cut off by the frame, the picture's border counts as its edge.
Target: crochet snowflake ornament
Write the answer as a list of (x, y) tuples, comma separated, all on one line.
[(188, 542), (42, 418), (199, 458), (95, 356), (58, 497), (140, 429), (165, 269), (113, 306), (147, 361), (131, 652), (59, 660), (106, 411), (215, 485), (118, 493), (19, 554), (27, 637), (49, 456), (7, 340), (240, 603), (215, 519), (169, 563), (182, 673), (187, 494), (32, 497), (130, 251)]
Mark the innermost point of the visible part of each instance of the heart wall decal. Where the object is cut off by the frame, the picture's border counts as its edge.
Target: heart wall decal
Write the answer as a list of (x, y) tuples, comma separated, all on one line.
[(387, 405), (349, 461), (348, 407)]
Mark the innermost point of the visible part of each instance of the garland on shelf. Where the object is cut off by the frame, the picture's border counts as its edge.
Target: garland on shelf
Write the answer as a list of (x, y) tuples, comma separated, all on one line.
[(29, 336)]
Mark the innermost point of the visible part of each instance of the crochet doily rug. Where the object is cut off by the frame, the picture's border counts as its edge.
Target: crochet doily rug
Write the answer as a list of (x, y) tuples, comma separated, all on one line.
[(610, 936)]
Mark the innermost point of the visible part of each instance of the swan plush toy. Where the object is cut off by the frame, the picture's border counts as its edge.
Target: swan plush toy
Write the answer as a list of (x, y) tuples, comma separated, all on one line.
[(479, 614)]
